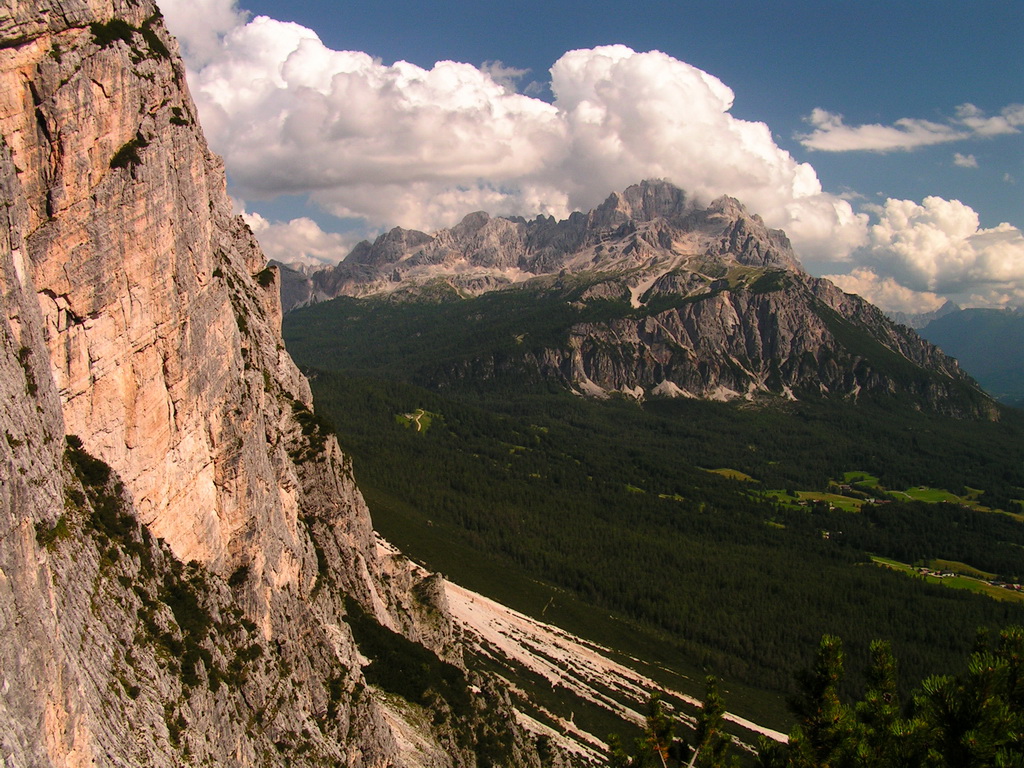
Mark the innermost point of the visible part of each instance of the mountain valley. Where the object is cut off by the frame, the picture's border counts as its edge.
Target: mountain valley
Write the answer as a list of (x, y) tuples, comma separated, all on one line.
[(630, 447), (481, 498)]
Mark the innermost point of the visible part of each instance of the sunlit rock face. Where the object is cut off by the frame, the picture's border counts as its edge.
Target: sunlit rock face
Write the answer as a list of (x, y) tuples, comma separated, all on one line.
[(158, 333), (139, 315)]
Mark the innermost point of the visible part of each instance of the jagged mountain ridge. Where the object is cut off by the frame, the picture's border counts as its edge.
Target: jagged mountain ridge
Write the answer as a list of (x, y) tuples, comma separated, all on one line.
[(702, 302), (918, 320), (651, 226), (182, 545)]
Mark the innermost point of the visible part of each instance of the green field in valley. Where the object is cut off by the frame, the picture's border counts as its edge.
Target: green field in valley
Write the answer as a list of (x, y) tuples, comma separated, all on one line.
[(418, 420), (953, 580), (857, 488)]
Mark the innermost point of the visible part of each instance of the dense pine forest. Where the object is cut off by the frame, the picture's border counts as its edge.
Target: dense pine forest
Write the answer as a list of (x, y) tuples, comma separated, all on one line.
[(613, 505), (973, 718)]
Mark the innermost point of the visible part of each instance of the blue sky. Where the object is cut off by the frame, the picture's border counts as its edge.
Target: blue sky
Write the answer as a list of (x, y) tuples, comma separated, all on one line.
[(889, 105)]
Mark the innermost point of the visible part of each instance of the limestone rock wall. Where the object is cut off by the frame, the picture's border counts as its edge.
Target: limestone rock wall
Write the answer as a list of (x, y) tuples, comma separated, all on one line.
[(31, 494), (160, 315), (138, 315), (144, 283)]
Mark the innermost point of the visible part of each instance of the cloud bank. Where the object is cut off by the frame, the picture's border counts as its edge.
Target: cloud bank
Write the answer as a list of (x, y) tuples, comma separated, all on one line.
[(200, 26), (402, 145), (919, 252), (397, 144), (300, 241)]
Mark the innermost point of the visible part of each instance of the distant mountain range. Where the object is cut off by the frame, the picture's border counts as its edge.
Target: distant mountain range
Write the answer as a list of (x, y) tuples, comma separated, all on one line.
[(989, 343), (919, 320), (648, 230), (650, 294)]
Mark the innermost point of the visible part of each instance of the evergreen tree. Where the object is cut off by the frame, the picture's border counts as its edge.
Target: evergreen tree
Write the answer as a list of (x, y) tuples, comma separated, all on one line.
[(823, 737), (975, 720), (710, 743), (618, 757), (978, 719), (658, 735), (1010, 652), (972, 721), (883, 737), (772, 754)]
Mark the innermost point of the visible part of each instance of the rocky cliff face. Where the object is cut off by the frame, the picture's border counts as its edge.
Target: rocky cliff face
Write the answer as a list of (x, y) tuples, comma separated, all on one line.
[(139, 317), (738, 333), (755, 335)]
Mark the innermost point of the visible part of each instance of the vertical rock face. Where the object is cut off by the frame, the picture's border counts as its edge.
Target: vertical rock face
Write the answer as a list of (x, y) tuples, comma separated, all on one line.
[(140, 317), (160, 318), (31, 493), (158, 332)]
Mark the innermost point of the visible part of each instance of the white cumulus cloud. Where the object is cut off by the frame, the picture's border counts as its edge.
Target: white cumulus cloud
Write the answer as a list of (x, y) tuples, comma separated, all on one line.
[(299, 240), (1009, 120), (200, 25), (937, 247), (505, 75), (885, 292), (965, 161), (398, 144), (832, 134)]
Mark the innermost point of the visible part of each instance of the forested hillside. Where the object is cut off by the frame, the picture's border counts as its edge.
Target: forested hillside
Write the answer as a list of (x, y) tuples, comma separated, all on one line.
[(612, 503)]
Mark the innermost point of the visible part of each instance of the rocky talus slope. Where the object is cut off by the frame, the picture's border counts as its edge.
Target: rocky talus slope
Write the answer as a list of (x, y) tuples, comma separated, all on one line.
[(181, 544)]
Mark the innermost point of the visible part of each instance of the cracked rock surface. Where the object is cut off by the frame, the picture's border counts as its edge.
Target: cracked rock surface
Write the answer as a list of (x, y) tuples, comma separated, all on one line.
[(173, 575)]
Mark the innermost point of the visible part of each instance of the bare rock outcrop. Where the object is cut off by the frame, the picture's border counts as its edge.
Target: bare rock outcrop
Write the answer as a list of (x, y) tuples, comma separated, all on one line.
[(173, 573), (646, 226), (716, 331)]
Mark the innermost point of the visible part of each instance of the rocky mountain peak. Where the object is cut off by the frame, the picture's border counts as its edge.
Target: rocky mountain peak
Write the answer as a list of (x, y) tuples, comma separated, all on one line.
[(646, 201), (483, 242), (472, 223), (388, 247), (739, 234), (922, 319), (652, 225), (728, 207)]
